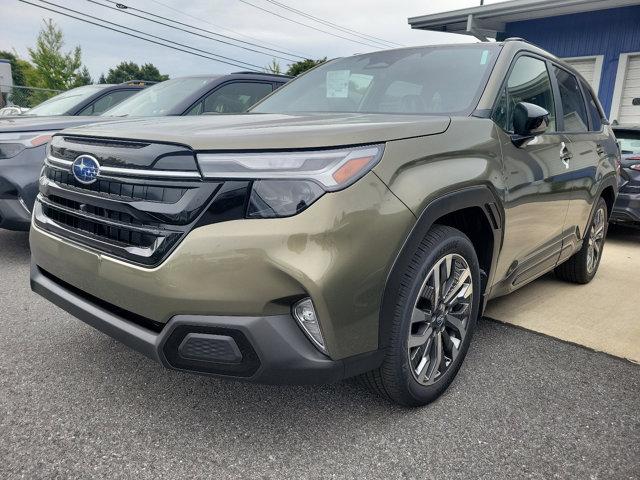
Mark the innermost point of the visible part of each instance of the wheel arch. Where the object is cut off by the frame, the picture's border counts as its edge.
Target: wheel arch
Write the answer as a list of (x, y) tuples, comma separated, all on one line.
[(608, 192), (476, 211)]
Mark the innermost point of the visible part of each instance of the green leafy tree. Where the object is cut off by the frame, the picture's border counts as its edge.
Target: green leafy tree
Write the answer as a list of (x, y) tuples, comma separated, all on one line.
[(23, 75), (83, 78), (273, 67), (126, 71), (56, 69), (297, 68)]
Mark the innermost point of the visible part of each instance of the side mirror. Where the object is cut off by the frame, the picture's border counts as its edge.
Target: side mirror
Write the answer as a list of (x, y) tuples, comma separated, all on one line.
[(529, 120)]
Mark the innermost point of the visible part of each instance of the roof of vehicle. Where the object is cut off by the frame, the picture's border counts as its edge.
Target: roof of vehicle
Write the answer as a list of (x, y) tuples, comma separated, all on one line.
[(626, 127), (265, 74)]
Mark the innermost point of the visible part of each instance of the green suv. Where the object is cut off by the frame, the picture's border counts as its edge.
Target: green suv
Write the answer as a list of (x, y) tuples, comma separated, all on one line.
[(355, 222)]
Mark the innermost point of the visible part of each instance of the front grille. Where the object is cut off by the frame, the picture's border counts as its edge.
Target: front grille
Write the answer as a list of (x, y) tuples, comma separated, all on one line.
[(139, 217), (125, 191)]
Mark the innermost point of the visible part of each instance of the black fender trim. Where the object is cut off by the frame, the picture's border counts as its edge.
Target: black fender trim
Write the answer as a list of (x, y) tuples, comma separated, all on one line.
[(610, 180), (481, 196)]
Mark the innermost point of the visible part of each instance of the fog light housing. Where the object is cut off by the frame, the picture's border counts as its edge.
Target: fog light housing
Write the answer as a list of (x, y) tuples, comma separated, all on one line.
[(305, 315)]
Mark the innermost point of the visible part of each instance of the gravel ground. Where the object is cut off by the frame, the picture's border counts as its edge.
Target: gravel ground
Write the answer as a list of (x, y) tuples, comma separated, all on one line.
[(75, 404)]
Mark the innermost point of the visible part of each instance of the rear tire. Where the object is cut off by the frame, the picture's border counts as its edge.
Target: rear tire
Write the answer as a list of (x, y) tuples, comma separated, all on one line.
[(434, 318), (583, 265)]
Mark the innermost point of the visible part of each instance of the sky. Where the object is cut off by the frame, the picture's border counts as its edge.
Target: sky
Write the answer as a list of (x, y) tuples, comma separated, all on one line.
[(102, 49)]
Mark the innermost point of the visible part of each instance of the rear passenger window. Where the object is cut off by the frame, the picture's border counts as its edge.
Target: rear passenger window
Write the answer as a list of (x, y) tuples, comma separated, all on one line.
[(528, 82), (107, 101), (573, 108), (594, 111)]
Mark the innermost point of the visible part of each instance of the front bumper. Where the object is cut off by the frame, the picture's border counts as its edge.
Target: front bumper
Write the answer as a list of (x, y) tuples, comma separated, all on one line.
[(270, 349), (626, 209), (19, 187), (338, 252)]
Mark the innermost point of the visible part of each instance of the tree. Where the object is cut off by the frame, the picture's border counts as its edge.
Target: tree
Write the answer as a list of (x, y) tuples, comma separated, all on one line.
[(297, 68), (83, 78), (274, 67), (17, 71), (126, 71), (55, 69), (23, 75)]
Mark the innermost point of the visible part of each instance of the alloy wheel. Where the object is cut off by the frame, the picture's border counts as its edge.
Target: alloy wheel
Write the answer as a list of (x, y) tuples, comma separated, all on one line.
[(596, 239), (440, 319)]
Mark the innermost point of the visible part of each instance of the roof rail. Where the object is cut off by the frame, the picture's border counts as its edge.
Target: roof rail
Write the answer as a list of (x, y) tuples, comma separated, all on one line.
[(139, 83), (262, 73)]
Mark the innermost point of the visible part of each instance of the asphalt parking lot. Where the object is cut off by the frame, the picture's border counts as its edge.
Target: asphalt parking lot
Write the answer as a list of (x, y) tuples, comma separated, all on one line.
[(75, 404)]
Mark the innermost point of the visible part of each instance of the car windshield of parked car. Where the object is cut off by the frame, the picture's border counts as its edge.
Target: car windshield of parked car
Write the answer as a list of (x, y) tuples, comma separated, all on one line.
[(425, 80), (62, 103), (160, 99), (629, 142)]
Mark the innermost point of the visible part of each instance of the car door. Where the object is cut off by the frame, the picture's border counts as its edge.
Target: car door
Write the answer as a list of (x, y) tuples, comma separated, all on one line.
[(232, 97), (535, 201), (586, 149)]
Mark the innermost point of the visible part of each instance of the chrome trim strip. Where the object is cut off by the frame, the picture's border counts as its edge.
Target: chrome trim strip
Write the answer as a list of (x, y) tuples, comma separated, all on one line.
[(58, 162), (127, 172)]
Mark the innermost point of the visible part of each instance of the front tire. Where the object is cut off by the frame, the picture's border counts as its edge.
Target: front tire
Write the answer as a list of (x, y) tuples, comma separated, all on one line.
[(583, 265), (434, 318)]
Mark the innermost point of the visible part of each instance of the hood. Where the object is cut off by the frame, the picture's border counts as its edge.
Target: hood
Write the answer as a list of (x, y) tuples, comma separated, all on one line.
[(259, 131), (45, 124)]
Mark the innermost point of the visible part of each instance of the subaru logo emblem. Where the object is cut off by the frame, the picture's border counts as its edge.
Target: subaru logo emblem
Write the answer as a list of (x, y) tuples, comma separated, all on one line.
[(85, 169)]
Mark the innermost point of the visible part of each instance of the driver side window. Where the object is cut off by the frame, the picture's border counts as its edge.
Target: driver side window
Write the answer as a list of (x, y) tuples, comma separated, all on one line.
[(528, 82)]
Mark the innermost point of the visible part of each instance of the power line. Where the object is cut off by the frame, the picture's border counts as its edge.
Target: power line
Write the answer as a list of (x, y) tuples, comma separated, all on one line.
[(185, 14), (364, 36), (136, 36), (308, 26), (122, 8), (152, 36)]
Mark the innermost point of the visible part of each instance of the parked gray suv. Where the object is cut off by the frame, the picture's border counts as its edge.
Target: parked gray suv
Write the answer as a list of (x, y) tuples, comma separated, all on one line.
[(355, 222)]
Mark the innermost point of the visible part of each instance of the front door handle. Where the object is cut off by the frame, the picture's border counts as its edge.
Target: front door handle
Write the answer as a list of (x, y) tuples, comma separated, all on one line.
[(565, 154)]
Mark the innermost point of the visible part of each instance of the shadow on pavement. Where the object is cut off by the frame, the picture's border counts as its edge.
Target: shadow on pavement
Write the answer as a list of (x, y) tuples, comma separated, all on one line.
[(623, 234)]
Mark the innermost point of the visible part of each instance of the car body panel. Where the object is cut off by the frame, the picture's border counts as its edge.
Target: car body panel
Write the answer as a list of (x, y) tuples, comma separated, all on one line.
[(46, 124), (261, 258), (627, 207), (272, 131)]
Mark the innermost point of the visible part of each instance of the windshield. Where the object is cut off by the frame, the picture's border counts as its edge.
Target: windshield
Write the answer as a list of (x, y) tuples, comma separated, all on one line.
[(159, 99), (629, 141), (61, 104), (425, 80)]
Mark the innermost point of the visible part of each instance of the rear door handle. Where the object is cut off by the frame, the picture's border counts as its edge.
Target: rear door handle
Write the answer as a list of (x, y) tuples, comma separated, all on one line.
[(565, 154)]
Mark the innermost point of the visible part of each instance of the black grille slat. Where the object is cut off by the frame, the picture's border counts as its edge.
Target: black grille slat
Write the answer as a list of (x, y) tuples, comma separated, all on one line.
[(131, 191)]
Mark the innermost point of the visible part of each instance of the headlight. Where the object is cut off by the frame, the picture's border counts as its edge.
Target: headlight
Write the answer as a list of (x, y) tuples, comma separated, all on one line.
[(11, 144), (285, 183), (333, 169)]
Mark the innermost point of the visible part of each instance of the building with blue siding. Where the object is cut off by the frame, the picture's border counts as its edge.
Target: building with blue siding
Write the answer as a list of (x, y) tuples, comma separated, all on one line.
[(599, 38)]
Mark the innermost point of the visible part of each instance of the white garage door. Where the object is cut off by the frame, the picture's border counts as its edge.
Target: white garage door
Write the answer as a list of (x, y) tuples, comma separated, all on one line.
[(628, 107), (589, 67)]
